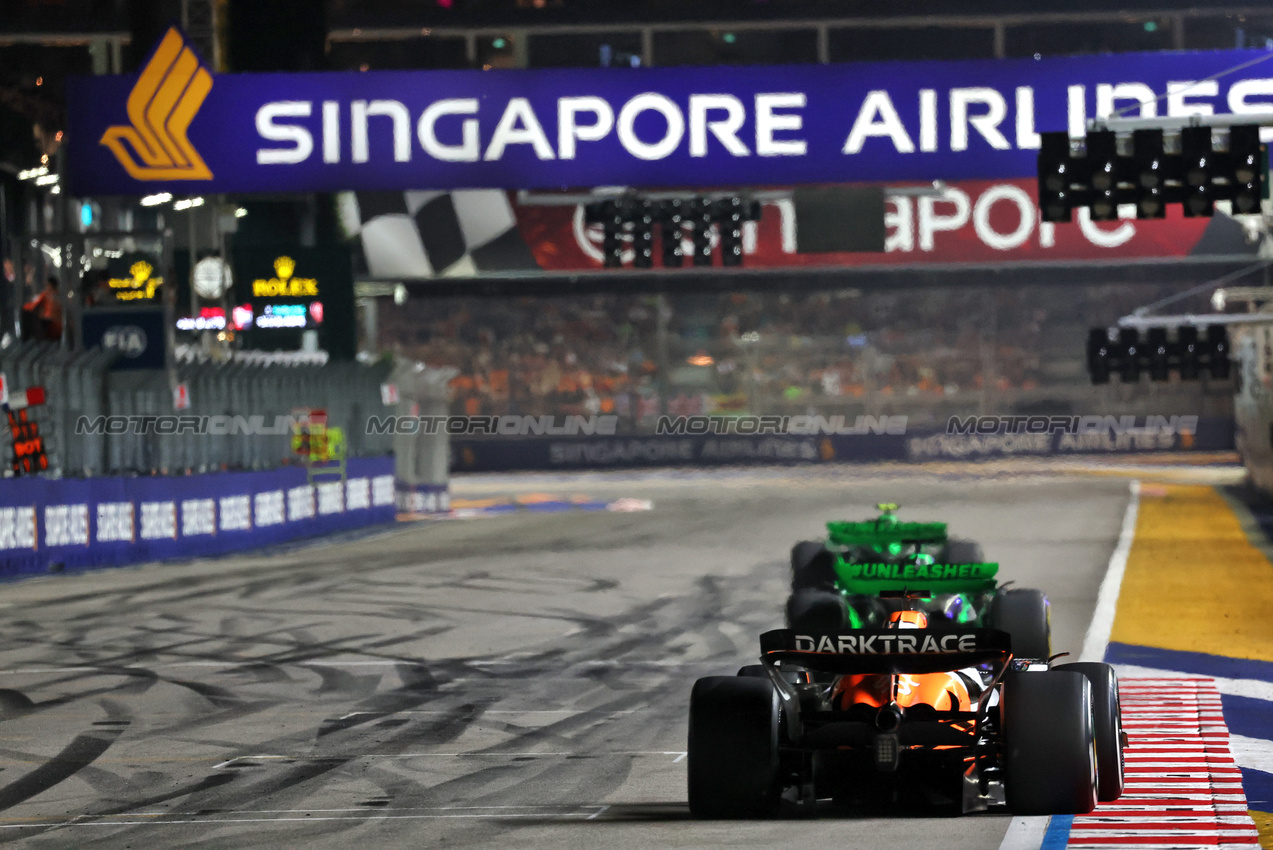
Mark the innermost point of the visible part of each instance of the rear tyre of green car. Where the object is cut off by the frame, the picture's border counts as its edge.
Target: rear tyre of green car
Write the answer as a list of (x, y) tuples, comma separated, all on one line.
[(815, 611), (812, 566), (1023, 614), (959, 551)]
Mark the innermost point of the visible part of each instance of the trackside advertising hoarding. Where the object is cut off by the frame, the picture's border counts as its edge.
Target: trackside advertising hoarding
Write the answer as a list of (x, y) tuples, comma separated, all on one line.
[(176, 127), (108, 521), (501, 454)]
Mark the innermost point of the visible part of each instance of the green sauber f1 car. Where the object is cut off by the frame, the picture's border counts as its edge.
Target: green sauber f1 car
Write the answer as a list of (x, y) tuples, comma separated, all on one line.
[(863, 571)]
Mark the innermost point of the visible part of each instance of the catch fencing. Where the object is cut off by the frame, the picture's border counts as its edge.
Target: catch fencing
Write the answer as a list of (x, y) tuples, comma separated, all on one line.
[(253, 394)]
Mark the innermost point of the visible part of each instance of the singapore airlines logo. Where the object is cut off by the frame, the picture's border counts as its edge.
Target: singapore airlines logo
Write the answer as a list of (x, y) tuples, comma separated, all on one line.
[(168, 94)]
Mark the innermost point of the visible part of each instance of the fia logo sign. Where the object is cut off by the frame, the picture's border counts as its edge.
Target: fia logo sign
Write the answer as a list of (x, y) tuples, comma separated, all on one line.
[(130, 340)]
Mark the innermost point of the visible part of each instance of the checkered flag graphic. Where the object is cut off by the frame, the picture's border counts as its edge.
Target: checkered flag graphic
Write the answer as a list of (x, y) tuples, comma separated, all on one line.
[(436, 234)]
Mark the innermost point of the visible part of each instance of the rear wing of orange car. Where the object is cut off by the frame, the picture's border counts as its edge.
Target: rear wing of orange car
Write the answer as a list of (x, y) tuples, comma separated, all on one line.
[(910, 651)]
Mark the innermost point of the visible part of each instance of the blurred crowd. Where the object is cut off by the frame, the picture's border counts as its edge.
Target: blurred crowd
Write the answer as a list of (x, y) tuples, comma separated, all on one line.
[(927, 353)]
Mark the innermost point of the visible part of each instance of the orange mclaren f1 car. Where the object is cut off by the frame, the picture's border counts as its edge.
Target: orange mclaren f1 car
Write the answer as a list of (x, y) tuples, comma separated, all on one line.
[(843, 715)]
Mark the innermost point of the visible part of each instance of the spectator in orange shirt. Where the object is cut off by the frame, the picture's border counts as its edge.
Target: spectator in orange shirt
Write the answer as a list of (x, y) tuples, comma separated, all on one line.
[(498, 382), (46, 310)]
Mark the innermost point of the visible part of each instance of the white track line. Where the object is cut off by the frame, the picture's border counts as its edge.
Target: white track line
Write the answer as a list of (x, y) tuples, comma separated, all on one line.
[(1025, 833), (1097, 640), (1254, 753)]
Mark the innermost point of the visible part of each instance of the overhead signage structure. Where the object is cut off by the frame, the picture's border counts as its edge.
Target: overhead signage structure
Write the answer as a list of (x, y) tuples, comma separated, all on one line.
[(176, 127)]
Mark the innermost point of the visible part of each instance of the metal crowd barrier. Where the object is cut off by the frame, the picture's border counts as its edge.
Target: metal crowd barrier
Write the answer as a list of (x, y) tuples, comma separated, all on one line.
[(258, 391)]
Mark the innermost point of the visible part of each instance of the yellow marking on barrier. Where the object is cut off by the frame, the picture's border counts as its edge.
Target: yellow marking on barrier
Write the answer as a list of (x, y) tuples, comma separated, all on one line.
[(1194, 582)]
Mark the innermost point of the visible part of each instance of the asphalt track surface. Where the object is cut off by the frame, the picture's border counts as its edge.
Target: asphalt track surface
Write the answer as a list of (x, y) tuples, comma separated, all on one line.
[(513, 681)]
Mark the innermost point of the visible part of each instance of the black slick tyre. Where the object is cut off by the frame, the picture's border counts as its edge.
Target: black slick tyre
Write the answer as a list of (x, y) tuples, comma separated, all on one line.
[(812, 566), (815, 611), (733, 748), (963, 552), (1023, 614), (1049, 743), (1108, 719)]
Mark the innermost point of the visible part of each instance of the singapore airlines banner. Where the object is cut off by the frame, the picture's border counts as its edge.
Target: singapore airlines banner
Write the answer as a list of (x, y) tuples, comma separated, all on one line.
[(177, 127)]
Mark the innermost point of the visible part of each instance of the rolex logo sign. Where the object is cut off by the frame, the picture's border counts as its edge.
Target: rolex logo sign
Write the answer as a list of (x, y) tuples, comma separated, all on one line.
[(140, 284), (283, 284)]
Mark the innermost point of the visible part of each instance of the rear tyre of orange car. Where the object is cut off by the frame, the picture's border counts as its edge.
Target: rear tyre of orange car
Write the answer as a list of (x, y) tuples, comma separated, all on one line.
[(1023, 614), (1049, 743), (1108, 718), (733, 748), (812, 566)]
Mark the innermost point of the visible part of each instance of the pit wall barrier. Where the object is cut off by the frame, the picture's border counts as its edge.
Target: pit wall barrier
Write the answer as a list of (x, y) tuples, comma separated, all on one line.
[(916, 446), (73, 524)]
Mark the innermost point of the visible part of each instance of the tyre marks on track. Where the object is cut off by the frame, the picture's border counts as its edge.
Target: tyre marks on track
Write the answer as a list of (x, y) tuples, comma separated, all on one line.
[(537, 728), (1183, 789)]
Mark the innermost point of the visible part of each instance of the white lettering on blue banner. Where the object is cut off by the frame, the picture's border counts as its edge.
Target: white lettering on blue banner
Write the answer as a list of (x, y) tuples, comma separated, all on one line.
[(300, 503), (269, 508), (66, 525), (198, 516), (158, 520), (17, 528), (331, 498), (382, 490), (114, 522), (708, 126), (236, 513), (357, 494)]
